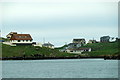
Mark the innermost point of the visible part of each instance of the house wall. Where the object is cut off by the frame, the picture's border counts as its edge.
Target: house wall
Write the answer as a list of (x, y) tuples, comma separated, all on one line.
[(78, 51), (73, 51), (81, 41), (105, 39), (74, 45), (50, 47), (21, 41), (38, 44)]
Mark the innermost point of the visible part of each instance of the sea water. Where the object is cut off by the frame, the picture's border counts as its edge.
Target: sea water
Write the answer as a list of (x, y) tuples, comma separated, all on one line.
[(60, 68)]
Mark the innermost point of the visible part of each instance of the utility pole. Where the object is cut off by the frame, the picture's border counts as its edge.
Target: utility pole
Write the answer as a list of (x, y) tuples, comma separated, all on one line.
[(0, 33), (43, 40)]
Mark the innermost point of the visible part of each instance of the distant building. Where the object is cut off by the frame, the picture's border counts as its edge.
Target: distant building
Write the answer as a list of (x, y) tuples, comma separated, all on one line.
[(74, 45), (49, 45), (20, 39), (79, 50), (37, 44), (117, 39), (105, 39), (10, 34), (92, 41), (79, 41)]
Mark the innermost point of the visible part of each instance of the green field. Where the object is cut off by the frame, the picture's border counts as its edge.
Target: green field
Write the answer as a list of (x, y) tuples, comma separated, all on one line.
[(103, 49), (98, 49), (31, 51)]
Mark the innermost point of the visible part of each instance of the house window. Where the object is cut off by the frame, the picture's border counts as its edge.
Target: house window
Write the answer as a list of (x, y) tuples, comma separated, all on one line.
[(26, 40), (18, 40), (23, 40), (20, 36), (71, 51), (75, 45)]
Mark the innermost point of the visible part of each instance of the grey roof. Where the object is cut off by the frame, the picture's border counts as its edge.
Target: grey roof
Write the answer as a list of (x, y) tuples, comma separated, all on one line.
[(78, 39), (72, 44), (48, 44), (105, 37)]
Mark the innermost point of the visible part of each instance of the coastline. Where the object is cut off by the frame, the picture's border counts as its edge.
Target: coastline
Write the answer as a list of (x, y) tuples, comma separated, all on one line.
[(49, 58)]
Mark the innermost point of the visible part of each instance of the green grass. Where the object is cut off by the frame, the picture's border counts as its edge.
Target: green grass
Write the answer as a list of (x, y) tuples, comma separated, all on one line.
[(98, 49), (5, 39), (30, 51), (103, 49)]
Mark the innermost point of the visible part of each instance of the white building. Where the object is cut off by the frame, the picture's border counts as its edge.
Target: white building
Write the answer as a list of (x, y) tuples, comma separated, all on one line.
[(38, 44), (74, 45), (79, 50), (20, 39)]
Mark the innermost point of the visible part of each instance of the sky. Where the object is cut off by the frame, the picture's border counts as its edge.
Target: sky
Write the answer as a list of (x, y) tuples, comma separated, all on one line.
[(59, 21)]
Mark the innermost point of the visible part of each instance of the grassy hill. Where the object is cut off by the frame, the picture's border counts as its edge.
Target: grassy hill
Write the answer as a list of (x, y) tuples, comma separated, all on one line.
[(98, 49), (31, 51), (4, 39), (103, 49)]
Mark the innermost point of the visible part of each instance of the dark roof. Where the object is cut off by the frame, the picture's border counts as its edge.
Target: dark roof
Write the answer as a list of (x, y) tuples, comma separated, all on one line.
[(105, 37), (72, 44), (78, 39), (21, 37)]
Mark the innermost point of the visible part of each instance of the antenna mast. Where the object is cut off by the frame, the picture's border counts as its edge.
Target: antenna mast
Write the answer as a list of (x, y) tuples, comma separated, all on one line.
[(43, 40)]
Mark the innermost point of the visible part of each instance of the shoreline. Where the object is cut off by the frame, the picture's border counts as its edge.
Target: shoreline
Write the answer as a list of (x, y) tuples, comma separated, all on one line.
[(55, 58)]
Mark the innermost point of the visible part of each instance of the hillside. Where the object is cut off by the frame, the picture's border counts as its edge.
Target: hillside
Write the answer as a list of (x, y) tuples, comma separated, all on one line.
[(103, 49), (98, 49), (31, 51)]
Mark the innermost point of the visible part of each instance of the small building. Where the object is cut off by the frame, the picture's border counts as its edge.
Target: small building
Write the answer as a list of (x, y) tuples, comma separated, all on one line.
[(79, 50), (21, 39), (80, 41), (117, 39), (10, 34), (92, 41), (37, 44), (74, 45), (105, 39), (49, 45)]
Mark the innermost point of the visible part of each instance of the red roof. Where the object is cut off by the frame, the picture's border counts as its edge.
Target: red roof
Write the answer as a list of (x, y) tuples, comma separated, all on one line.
[(21, 37)]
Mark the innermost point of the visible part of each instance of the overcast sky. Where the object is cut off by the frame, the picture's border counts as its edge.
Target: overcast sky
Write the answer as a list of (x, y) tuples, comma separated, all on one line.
[(62, 20)]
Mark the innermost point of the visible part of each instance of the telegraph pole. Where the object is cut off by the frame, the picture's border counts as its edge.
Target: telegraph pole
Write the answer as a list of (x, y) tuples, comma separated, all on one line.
[(43, 40), (0, 33)]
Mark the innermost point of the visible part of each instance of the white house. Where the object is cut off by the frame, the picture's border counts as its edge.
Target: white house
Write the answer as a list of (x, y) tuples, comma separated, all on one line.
[(79, 50), (74, 45), (37, 44), (79, 41), (20, 39)]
